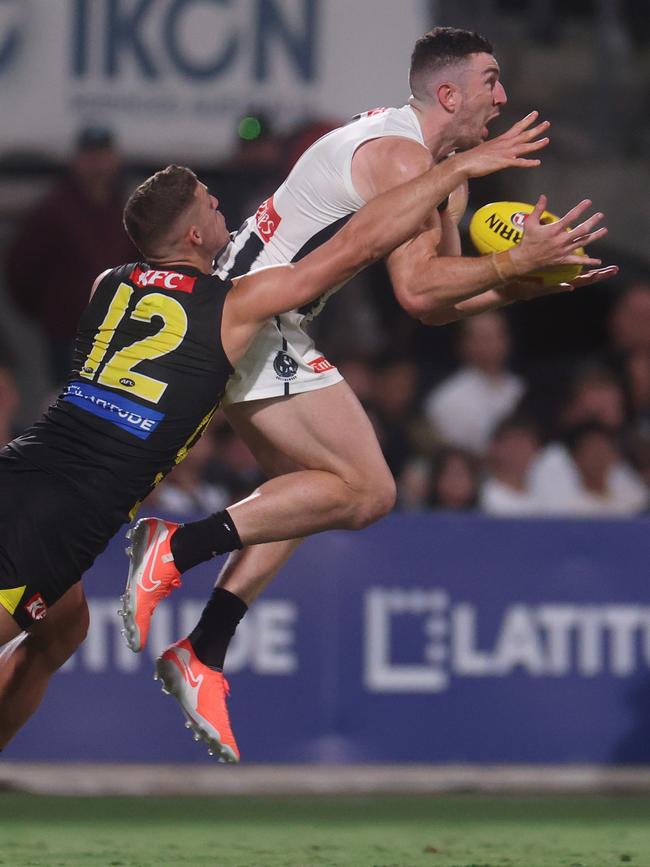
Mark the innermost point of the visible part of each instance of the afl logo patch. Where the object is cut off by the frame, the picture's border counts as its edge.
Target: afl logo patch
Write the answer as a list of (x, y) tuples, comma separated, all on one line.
[(285, 366), (128, 383), (518, 219)]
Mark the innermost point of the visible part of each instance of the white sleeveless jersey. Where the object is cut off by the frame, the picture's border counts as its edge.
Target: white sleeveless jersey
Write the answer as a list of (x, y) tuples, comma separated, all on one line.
[(315, 200)]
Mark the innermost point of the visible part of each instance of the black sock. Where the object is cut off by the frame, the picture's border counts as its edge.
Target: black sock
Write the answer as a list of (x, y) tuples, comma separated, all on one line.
[(201, 540), (211, 635)]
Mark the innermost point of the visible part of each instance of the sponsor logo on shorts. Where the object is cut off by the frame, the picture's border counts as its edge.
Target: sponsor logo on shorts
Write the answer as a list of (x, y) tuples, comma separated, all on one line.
[(267, 219), (163, 279), (285, 366), (320, 364), (126, 414), (36, 607)]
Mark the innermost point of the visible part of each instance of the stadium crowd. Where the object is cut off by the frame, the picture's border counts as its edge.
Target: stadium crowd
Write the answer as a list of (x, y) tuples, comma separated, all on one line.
[(542, 408)]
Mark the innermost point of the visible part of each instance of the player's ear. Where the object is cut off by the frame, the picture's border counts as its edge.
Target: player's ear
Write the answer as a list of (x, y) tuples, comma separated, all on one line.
[(194, 236), (448, 96)]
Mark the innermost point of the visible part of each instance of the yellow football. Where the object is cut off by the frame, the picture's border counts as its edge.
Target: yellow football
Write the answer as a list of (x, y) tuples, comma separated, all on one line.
[(500, 226)]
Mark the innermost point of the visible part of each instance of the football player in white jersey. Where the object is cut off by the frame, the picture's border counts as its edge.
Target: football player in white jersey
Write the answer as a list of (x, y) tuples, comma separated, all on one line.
[(289, 403)]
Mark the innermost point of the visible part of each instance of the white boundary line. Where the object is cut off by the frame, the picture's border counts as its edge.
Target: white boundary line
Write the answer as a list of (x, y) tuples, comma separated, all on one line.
[(213, 779)]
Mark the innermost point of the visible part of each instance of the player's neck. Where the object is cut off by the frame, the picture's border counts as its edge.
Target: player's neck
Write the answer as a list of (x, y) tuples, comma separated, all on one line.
[(201, 263), (436, 130)]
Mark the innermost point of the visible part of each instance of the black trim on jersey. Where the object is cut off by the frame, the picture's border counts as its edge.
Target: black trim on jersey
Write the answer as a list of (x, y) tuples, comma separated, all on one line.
[(245, 259), (313, 244)]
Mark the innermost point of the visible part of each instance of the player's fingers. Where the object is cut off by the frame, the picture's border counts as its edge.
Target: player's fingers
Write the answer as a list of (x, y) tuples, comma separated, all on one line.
[(538, 210), (583, 240), (529, 147), (520, 163), (595, 276), (576, 259), (585, 227), (522, 124), (572, 215), (538, 130)]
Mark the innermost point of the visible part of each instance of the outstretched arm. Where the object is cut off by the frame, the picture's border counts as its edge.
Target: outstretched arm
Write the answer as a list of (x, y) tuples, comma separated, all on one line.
[(543, 245), (375, 230), (437, 289)]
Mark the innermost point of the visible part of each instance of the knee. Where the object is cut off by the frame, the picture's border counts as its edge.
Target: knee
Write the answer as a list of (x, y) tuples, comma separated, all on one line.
[(373, 502), (57, 644)]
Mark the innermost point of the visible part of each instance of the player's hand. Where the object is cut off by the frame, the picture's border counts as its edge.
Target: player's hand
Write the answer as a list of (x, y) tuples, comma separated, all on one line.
[(527, 289), (508, 150), (547, 244)]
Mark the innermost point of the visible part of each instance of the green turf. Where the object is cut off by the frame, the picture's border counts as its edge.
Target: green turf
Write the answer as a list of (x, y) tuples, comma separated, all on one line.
[(431, 831)]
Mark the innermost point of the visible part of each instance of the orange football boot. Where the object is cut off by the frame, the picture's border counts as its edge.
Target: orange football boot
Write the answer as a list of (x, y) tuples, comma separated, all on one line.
[(152, 576), (201, 692)]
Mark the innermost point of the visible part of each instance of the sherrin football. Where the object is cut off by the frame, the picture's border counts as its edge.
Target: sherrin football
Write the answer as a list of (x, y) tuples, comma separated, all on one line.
[(500, 226)]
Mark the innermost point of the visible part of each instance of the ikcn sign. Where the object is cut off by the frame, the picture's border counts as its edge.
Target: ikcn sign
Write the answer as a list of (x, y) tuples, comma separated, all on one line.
[(172, 78), (199, 40)]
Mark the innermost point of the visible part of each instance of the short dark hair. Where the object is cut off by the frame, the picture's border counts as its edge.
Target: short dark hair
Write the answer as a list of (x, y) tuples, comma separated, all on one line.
[(152, 208), (442, 46), (576, 435)]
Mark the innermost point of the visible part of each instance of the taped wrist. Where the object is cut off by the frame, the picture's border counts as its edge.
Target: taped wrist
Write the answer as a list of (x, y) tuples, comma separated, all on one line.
[(504, 267)]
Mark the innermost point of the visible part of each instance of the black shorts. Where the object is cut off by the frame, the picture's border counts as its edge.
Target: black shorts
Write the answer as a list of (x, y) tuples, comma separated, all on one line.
[(49, 536)]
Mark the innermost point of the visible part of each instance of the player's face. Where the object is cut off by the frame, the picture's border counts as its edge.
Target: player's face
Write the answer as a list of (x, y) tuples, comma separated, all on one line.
[(482, 98), (213, 223)]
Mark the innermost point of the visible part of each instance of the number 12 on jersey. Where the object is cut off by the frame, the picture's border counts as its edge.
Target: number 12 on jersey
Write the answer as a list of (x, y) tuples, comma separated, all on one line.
[(118, 370)]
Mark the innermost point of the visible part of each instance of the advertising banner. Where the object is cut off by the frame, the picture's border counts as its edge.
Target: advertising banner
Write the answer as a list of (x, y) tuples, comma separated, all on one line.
[(421, 639), (172, 77)]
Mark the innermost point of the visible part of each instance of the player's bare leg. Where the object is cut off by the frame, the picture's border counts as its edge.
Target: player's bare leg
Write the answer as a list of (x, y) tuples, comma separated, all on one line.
[(329, 473), (322, 447), (333, 471), (247, 572), (29, 659)]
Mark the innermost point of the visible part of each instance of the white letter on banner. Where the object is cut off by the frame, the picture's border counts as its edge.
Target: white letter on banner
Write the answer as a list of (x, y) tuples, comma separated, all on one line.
[(623, 621), (275, 638), (103, 621), (590, 641), (468, 660), (380, 674), (558, 620), (518, 643)]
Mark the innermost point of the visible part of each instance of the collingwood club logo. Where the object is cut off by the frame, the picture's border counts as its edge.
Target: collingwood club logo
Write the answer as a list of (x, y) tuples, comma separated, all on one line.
[(285, 366)]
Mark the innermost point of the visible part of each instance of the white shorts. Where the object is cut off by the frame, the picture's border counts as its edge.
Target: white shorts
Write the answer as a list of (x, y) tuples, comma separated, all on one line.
[(281, 360)]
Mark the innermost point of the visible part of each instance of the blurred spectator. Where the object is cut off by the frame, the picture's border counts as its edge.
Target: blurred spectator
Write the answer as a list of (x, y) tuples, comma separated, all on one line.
[(596, 397), (594, 452), (234, 467), (455, 480), (465, 408), (185, 491), (506, 490), (629, 320), (9, 403), (66, 241), (358, 373), (394, 409), (629, 327)]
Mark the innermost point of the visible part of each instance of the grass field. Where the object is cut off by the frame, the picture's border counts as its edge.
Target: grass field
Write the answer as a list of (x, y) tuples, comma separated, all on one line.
[(421, 831)]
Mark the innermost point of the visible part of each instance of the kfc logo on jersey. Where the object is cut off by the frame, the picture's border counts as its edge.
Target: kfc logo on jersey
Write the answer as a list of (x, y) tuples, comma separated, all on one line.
[(163, 279), (320, 364), (36, 607), (267, 219)]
